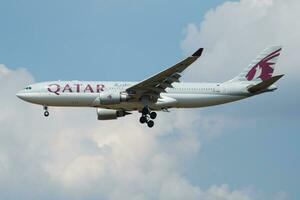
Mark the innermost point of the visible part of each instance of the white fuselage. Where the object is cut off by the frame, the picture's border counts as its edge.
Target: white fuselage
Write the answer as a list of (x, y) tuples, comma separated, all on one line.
[(158, 92), (88, 94)]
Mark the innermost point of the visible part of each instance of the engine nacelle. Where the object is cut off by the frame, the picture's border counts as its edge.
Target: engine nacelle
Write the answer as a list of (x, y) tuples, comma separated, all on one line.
[(110, 98), (108, 114)]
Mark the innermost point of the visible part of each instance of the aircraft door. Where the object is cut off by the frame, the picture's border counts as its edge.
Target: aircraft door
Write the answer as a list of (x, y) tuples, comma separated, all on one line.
[(218, 88)]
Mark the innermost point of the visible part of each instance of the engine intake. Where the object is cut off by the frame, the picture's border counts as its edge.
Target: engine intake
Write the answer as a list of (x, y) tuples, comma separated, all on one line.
[(108, 114)]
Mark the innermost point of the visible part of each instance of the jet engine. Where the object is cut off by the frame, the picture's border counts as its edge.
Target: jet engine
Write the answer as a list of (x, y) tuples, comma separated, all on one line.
[(110, 98), (108, 114)]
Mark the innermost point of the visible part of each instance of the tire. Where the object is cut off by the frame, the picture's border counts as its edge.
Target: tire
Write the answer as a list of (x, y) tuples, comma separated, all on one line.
[(145, 111), (150, 123), (143, 119), (153, 115), (46, 113)]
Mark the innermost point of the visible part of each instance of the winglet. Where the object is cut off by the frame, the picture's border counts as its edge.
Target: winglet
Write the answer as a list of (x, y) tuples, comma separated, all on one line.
[(198, 53)]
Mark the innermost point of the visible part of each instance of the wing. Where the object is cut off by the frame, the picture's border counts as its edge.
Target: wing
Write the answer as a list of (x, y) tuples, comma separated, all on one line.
[(158, 83)]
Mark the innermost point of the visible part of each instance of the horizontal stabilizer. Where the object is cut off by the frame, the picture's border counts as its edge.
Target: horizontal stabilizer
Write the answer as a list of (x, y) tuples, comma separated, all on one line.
[(265, 84)]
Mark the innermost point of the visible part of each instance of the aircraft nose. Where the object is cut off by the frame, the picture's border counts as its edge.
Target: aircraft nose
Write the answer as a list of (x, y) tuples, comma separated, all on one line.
[(23, 95), (28, 96), (20, 95)]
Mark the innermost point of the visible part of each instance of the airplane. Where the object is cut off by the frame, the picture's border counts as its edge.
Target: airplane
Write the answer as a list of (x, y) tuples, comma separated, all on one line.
[(160, 92)]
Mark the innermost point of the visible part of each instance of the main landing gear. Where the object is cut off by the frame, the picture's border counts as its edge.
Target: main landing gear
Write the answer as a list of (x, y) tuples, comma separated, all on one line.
[(46, 112), (148, 117)]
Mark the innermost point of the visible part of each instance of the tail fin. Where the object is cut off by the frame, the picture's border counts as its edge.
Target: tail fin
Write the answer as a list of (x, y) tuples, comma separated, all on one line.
[(262, 67)]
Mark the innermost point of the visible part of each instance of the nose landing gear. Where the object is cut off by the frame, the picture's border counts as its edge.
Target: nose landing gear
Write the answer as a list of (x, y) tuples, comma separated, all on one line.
[(147, 117), (46, 112)]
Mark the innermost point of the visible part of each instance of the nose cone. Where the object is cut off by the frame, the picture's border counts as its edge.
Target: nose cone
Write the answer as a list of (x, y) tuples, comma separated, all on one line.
[(24, 96), (21, 95)]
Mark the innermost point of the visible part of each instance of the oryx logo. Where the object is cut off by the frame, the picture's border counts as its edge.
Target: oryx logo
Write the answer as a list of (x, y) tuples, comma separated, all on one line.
[(263, 69)]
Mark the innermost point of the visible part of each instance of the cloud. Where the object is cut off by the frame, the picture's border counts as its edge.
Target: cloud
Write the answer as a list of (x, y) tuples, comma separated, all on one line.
[(3, 70), (72, 155), (235, 32)]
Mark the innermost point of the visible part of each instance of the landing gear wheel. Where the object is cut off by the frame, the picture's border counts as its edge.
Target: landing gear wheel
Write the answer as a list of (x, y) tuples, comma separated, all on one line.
[(153, 115), (147, 117), (145, 111), (150, 123), (143, 119), (46, 113)]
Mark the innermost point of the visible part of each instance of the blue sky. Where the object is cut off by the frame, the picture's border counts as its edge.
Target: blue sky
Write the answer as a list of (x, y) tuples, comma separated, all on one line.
[(130, 40), (83, 39)]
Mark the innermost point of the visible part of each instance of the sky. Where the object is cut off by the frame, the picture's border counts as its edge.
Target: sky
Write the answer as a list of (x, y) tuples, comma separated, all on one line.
[(246, 150)]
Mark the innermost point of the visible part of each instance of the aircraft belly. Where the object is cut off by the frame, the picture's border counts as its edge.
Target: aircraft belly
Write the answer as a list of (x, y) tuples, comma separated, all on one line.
[(67, 99), (125, 105), (202, 100), (168, 101), (180, 101)]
